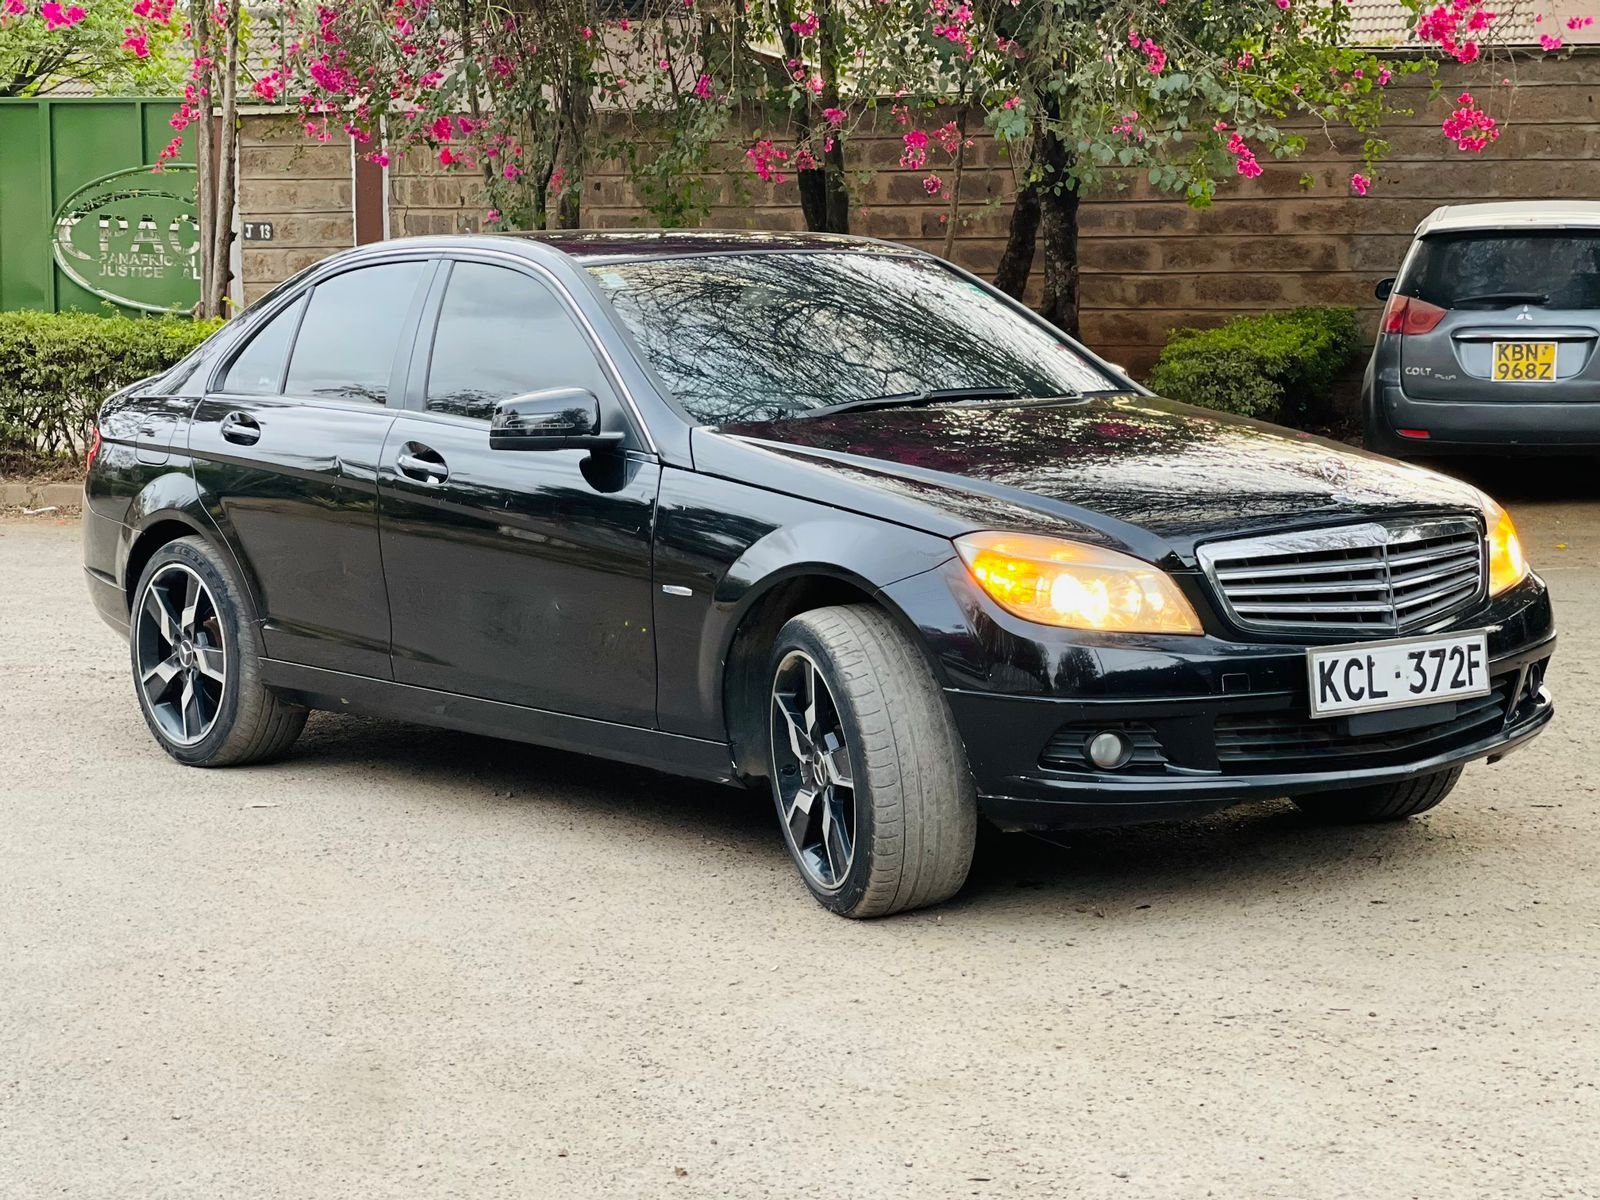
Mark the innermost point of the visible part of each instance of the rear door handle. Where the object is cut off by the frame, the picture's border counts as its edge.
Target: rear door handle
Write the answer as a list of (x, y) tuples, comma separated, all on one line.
[(422, 463), (241, 428)]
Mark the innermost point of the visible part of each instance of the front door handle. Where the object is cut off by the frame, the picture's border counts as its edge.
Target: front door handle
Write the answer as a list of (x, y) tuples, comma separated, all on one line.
[(422, 463), (241, 429)]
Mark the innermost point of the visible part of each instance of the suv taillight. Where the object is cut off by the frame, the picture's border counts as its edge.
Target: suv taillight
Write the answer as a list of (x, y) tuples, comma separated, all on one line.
[(1407, 314), (94, 450)]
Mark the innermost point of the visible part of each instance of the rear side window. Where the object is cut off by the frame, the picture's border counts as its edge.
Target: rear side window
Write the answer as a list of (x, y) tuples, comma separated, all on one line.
[(352, 327), (1555, 269), (501, 334), (258, 371)]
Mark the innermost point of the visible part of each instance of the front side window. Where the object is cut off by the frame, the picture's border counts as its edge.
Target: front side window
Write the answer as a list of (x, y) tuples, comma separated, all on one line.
[(756, 337), (501, 334), (350, 333), (1488, 269)]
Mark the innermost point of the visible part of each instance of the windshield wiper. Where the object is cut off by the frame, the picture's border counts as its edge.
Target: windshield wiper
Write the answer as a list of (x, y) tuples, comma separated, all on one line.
[(914, 400), (1507, 297)]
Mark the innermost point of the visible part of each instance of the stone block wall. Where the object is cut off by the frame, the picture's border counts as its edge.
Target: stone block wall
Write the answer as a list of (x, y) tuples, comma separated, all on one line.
[(1150, 262)]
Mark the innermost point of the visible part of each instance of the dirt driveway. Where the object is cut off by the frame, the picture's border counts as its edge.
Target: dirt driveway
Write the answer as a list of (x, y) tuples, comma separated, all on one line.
[(407, 963)]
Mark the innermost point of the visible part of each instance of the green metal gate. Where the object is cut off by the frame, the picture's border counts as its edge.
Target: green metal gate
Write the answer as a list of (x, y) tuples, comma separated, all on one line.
[(85, 222)]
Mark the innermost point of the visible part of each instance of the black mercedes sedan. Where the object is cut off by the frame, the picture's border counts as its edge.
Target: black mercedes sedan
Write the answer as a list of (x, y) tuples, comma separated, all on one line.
[(823, 515)]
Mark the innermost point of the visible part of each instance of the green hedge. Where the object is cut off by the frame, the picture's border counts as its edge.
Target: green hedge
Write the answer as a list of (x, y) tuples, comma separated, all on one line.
[(56, 368), (1277, 366)]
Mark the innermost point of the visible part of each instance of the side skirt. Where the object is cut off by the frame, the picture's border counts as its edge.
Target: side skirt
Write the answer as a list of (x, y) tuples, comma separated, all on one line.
[(335, 691)]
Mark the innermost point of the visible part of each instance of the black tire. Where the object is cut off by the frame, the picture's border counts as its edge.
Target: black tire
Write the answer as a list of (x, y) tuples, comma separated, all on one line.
[(238, 720), (913, 802), (1381, 801)]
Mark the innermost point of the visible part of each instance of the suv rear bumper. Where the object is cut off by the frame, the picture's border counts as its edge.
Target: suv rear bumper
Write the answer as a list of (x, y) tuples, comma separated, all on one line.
[(1470, 427)]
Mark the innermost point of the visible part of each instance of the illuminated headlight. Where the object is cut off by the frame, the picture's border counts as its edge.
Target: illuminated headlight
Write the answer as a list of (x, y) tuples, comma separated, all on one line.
[(1077, 586), (1508, 564)]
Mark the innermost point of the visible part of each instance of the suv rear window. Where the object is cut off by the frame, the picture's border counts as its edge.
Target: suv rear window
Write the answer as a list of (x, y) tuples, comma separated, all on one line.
[(1558, 269)]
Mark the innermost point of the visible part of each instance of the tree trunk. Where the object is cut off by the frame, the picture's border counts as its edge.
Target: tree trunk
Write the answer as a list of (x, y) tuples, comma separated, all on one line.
[(1016, 263), (222, 215), (824, 201), (1058, 230), (205, 184)]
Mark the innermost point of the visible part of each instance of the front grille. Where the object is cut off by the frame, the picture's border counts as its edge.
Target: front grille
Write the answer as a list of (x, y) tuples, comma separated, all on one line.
[(1280, 742), (1367, 579)]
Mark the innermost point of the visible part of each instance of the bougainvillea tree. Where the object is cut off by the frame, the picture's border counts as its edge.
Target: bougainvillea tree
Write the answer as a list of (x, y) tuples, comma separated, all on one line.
[(1180, 96)]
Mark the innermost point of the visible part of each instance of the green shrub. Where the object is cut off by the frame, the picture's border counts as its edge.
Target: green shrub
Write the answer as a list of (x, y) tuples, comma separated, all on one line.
[(56, 368), (1277, 366)]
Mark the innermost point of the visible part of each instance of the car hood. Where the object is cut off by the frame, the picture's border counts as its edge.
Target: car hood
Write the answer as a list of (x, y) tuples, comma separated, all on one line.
[(1126, 466)]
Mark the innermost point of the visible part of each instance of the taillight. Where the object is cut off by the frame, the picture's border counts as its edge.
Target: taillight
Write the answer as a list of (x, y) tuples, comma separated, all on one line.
[(94, 449), (1407, 314)]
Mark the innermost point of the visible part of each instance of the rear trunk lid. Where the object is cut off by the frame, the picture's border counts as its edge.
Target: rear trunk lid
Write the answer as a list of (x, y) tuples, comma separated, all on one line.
[(1495, 316)]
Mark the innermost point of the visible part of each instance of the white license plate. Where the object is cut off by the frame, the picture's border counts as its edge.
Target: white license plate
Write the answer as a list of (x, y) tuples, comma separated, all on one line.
[(1372, 676)]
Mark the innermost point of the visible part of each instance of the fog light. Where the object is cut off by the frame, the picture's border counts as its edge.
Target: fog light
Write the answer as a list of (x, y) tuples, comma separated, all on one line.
[(1109, 750)]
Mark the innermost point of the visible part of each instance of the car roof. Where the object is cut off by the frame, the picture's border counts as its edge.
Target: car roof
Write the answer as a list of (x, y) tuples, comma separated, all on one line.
[(661, 243), (1512, 214), (591, 245)]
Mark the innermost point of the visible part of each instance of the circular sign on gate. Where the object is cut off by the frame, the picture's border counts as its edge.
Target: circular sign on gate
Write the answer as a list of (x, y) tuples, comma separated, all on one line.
[(132, 237)]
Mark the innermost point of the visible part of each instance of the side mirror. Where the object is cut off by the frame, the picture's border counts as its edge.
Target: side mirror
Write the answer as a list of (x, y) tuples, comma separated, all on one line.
[(555, 419), (1385, 286)]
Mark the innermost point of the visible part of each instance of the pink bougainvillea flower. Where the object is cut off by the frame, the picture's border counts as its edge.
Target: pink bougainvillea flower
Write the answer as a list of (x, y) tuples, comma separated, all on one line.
[(446, 157), (834, 116), (1469, 127), (56, 17), (916, 151), (1244, 158), (807, 25), (1359, 184), (702, 87), (1549, 42), (933, 185)]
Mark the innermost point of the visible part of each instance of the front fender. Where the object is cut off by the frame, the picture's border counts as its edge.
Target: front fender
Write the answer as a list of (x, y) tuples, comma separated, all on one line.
[(734, 548)]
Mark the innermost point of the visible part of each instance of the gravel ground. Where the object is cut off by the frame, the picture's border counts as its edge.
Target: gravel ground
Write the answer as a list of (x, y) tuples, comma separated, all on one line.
[(410, 963)]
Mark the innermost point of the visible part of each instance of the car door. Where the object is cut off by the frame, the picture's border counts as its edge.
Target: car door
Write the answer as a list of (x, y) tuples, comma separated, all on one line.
[(286, 447), (516, 576)]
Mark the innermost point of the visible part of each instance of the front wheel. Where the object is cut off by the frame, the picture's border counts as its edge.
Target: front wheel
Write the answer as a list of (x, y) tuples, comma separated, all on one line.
[(1381, 801), (870, 779)]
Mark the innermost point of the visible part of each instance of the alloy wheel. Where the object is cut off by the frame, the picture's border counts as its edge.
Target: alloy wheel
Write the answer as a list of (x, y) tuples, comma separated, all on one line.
[(812, 773), (180, 659)]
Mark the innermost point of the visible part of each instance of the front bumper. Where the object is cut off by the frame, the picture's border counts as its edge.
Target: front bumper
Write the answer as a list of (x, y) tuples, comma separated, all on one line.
[(1214, 720)]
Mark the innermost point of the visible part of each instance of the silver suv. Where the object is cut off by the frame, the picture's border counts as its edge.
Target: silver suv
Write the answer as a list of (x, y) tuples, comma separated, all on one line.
[(1487, 342)]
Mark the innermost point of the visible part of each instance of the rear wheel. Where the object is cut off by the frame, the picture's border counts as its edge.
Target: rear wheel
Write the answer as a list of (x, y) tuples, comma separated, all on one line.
[(870, 780), (196, 663), (1381, 801)]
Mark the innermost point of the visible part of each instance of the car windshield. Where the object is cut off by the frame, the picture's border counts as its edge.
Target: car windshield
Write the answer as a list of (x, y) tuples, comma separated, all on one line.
[(1558, 269), (763, 336)]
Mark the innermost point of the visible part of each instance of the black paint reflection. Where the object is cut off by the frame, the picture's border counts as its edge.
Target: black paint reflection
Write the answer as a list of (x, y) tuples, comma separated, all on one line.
[(1146, 461)]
